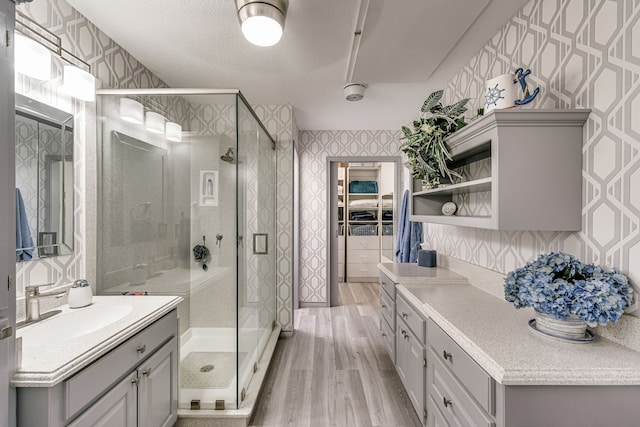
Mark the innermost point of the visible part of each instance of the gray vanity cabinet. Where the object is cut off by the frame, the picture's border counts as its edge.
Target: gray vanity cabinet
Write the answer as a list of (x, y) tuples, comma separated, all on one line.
[(387, 295), (411, 359), (118, 407), (157, 398), (135, 384), (143, 398)]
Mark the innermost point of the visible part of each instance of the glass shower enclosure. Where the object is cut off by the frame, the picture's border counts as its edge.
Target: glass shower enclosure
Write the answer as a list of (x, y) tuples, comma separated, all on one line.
[(186, 206)]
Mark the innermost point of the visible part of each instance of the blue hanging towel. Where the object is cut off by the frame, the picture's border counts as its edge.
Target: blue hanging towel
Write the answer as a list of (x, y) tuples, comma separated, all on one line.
[(24, 241), (409, 234)]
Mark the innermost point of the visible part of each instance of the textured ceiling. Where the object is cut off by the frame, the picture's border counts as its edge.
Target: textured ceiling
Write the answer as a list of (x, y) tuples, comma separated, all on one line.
[(407, 49)]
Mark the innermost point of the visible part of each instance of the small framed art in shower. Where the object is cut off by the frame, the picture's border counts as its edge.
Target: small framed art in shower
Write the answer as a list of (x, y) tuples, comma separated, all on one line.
[(208, 188)]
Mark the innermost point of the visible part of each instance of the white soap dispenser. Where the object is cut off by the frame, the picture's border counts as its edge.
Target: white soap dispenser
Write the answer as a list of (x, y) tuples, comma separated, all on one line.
[(80, 294)]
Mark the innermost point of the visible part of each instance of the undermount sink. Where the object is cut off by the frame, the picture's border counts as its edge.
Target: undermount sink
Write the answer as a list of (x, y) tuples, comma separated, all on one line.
[(73, 323)]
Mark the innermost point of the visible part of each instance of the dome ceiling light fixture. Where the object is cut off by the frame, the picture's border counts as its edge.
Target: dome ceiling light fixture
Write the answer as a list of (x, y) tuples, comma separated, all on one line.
[(262, 21)]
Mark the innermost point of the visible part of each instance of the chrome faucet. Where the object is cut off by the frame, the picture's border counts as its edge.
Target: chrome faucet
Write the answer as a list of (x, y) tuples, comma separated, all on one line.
[(32, 297)]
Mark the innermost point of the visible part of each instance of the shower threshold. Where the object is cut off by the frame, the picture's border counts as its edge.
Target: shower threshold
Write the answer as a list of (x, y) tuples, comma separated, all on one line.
[(234, 417)]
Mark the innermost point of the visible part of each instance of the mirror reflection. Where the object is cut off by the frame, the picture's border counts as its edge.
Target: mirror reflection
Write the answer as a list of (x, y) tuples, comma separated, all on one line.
[(44, 180), (137, 187)]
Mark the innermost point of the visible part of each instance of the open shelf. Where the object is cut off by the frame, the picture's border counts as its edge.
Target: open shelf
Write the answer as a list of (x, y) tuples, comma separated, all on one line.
[(535, 178), (475, 186)]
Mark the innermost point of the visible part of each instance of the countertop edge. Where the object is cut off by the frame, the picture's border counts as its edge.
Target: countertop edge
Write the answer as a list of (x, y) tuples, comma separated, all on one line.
[(51, 379), (513, 377)]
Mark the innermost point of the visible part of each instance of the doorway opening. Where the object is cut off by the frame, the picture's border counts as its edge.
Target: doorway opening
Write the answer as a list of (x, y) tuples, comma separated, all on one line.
[(363, 208)]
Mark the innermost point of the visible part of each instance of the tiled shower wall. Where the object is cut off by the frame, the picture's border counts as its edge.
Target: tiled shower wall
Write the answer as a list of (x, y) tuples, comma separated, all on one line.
[(315, 147), (582, 54)]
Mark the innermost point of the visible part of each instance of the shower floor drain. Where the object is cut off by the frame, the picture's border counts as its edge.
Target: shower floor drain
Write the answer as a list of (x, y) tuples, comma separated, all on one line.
[(207, 368)]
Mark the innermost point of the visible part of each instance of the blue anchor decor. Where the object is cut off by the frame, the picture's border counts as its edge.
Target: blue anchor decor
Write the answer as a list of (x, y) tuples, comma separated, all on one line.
[(521, 76)]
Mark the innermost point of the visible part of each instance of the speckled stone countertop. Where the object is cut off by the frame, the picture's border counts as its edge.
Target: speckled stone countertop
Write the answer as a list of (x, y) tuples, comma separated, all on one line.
[(413, 273), (497, 336), (49, 364)]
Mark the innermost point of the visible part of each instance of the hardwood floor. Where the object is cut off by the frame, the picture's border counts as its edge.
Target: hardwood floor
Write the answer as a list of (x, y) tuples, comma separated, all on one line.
[(335, 370)]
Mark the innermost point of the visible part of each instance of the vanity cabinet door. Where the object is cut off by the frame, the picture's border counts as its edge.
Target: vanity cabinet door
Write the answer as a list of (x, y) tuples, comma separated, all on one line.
[(158, 387), (410, 365), (117, 408)]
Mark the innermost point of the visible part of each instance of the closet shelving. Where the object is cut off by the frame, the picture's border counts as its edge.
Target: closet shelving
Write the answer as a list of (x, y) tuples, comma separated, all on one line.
[(364, 222)]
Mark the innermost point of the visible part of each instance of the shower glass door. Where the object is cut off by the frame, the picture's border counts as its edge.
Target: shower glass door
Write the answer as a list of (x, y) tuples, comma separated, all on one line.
[(256, 243)]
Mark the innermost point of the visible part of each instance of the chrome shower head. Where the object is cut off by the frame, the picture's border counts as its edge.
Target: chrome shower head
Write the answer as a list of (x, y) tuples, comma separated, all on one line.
[(228, 156)]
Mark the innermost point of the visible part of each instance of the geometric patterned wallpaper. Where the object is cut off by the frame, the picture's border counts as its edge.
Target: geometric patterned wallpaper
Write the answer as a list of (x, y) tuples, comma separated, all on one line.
[(280, 122), (582, 55), (314, 148)]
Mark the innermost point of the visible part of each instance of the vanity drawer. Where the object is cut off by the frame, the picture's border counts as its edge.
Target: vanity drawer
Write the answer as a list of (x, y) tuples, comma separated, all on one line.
[(92, 381), (479, 384), (448, 395), (388, 285), (363, 242), (389, 339), (363, 256), (414, 320), (387, 310), (361, 270)]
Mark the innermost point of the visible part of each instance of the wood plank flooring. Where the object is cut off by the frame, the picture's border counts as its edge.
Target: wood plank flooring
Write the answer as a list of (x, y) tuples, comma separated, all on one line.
[(335, 370)]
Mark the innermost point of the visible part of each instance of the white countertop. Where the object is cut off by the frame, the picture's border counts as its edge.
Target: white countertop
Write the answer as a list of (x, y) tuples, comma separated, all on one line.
[(48, 365), (413, 273), (497, 336)]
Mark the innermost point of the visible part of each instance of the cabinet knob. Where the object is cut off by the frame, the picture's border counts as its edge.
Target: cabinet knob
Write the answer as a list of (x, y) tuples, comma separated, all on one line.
[(383, 306), (384, 335), (447, 355), (141, 349), (405, 315), (446, 402), (403, 332), (135, 381), (146, 372)]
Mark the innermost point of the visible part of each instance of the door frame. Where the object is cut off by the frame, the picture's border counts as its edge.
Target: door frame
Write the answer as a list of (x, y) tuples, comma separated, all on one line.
[(332, 212), (7, 218)]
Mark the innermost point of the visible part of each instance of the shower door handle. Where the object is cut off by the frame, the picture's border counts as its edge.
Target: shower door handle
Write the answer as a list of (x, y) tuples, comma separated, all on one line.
[(260, 243)]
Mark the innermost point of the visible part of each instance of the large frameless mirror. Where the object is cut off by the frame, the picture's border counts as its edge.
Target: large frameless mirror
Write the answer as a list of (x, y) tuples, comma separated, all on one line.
[(44, 180)]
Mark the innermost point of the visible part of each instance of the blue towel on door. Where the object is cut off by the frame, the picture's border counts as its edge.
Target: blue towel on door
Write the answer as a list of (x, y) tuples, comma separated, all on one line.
[(24, 241), (409, 234)]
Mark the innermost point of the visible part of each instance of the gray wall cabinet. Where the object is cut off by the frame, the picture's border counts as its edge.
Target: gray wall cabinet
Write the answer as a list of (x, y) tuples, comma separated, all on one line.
[(134, 384), (522, 170)]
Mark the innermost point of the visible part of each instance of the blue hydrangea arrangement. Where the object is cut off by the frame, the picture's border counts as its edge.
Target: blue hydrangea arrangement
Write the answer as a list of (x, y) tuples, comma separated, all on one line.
[(560, 285)]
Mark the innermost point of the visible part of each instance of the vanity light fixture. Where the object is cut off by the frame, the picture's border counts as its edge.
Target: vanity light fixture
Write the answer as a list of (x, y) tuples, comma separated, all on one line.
[(131, 111), (77, 79), (262, 21), (173, 131), (79, 83), (154, 122), (31, 58)]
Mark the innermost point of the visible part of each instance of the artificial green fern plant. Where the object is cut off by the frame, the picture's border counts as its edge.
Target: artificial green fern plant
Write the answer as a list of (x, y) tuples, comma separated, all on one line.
[(425, 146)]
